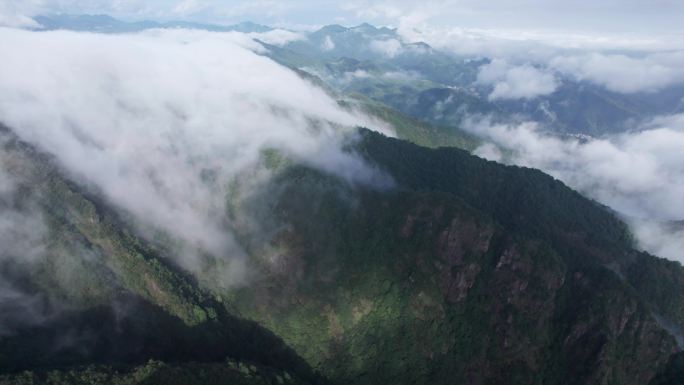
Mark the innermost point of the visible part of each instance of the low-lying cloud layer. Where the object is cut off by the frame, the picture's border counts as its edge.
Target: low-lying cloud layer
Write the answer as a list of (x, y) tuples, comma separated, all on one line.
[(621, 63), (622, 73), (639, 174), (515, 82), (147, 118)]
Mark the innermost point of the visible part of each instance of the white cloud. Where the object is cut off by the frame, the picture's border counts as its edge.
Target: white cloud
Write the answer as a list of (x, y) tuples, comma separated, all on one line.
[(661, 239), (401, 75), (13, 14), (388, 47), (489, 151), (253, 8), (375, 10), (646, 63), (596, 15), (348, 77), (640, 174), (144, 116), (278, 37), (328, 44), (516, 82), (625, 74), (520, 43)]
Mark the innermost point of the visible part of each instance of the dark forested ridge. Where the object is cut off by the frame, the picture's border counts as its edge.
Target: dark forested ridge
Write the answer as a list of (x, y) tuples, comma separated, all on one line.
[(466, 272), (103, 296), (523, 200)]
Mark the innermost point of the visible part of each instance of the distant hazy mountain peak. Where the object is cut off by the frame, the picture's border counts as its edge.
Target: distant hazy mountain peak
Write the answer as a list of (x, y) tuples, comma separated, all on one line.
[(365, 27), (109, 24), (373, 30), (419, 44), (332, 28), (248, 26)]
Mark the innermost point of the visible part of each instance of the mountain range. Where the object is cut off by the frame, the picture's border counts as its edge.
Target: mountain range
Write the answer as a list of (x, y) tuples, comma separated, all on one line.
[(423, 82), (442, 268), (467, 271)]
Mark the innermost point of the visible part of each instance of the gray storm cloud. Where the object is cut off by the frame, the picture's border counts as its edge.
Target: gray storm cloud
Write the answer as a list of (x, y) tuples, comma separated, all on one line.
[(639, 174), (144, 116)]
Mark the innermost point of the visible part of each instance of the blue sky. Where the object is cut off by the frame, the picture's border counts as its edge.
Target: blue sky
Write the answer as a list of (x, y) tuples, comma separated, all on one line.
[(616, 16)]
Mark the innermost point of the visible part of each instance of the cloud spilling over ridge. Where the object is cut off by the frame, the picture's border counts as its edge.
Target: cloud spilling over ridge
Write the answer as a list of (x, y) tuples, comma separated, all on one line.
[(639, 174), (161, 121), (662, 239)]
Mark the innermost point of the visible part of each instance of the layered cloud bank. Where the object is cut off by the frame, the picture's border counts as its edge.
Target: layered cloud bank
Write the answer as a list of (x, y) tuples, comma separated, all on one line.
[(161, 122), (639, 174), (619, 62)]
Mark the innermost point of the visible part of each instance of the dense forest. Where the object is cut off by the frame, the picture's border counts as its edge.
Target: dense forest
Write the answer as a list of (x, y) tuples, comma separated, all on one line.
[(460, 271)]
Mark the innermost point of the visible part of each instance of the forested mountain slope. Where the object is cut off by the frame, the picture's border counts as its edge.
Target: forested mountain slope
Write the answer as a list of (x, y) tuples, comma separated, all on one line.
[(462, 271), (101, 295)]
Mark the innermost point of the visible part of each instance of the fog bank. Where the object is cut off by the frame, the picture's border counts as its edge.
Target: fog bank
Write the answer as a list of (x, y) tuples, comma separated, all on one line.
[(161, 121)]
